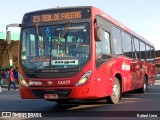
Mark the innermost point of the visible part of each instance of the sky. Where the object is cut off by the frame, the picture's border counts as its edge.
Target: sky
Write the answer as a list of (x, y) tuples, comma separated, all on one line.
[(141, 16)]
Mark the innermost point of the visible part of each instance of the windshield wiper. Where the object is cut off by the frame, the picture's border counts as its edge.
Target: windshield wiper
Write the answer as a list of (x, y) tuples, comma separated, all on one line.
[(40, 40), (62, 35), (37, 30)]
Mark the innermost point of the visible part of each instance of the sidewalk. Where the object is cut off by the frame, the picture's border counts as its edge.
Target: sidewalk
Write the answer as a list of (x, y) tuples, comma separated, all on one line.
[(157, 82), (6, 86)]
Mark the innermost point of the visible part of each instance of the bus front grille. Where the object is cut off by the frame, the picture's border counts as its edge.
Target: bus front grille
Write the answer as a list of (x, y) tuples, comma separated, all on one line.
[(51, 75)]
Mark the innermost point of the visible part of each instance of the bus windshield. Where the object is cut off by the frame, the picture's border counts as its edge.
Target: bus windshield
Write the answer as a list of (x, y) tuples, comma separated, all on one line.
[(55, 47)]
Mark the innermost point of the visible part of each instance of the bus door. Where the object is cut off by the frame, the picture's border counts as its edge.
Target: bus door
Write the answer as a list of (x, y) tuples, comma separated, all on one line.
[(151, 71), (137, 64), (138, 74), (128, 62), (128, 74), (103, 51)]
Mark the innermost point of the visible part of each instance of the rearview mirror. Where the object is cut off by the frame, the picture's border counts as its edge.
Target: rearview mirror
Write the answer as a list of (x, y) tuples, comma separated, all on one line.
[(98, 33), (8, 37)]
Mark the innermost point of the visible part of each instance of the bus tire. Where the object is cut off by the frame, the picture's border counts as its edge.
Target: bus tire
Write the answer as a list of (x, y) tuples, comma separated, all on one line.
[(116, 94)]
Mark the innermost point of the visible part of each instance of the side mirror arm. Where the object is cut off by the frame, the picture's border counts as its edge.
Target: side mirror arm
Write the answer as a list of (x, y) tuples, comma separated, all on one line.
[(8, 36)]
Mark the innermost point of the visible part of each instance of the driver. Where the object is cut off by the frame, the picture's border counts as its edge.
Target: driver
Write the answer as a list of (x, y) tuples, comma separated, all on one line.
[(72, 47)]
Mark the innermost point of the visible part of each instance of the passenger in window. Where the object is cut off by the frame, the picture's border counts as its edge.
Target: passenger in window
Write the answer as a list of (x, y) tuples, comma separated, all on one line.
[(72, 51)]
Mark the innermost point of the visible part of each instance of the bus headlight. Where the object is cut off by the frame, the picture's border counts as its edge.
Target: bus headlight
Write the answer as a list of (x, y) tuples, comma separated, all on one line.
[(22, 81), (84, 78)]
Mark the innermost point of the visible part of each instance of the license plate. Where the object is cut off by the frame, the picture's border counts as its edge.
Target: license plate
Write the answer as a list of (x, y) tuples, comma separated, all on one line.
[(51, 96)]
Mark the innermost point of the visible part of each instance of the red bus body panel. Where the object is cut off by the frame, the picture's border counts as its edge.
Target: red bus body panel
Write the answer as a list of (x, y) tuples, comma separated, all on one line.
[(100, 83)]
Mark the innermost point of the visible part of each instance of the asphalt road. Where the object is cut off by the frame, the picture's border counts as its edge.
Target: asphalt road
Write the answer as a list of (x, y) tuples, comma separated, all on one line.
[(145, 106)]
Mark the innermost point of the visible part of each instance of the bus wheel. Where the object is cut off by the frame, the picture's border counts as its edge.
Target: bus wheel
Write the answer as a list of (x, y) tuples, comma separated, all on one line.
[(144, 89), (116, 94)]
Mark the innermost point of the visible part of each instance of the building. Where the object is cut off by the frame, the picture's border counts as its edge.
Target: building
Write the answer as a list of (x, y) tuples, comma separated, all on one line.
[(8, 53)]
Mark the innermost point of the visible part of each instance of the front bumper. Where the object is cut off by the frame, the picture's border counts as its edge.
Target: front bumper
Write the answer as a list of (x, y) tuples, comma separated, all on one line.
[(86, 91)]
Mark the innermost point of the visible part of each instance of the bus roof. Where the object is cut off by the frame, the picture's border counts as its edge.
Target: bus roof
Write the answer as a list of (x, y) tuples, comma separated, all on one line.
[(60, 8), (102, 14), (117, 23)]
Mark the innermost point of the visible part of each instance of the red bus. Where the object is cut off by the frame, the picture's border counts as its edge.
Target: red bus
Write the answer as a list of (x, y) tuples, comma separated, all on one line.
[(80, 53)]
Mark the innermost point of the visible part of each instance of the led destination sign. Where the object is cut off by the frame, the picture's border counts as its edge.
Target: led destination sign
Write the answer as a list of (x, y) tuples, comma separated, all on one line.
[(57, 16)]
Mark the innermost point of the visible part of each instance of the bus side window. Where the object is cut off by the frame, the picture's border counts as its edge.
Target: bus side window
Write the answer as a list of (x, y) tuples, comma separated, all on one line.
[(148, 53), (127, 44), (117, 41), (103, 47), (103, 50), (152, 55), (143, 50), (136, 52)]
